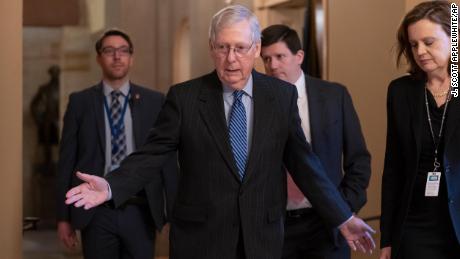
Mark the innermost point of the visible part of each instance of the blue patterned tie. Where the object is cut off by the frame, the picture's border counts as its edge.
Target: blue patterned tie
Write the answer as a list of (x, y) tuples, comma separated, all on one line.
[(118, 139), (237, 132)]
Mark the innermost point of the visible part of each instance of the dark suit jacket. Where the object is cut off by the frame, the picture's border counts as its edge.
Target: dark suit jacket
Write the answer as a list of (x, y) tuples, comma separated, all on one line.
[(213, 207), (83, 149), (338, 141), (405, 106)]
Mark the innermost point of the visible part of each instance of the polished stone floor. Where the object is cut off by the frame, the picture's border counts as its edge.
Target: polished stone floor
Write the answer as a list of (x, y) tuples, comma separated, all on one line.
[(43, 244)]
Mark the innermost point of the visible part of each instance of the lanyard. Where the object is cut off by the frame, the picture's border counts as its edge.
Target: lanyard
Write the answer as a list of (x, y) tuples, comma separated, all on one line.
[(436, 144), (116, 129)]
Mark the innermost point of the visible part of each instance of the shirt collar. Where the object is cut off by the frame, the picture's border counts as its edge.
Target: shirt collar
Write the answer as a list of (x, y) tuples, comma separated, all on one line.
[(247, 89), (300, 85), (108, 89)]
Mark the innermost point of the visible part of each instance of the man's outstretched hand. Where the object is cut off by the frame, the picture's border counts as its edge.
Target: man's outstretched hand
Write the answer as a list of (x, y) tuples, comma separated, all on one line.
[(93, 192), (358, 235)]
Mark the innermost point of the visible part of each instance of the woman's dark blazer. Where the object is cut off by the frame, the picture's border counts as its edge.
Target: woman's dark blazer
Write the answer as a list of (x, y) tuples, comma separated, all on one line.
[(405, 104)]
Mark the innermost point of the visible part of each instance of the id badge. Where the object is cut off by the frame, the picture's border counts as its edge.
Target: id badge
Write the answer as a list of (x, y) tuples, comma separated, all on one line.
[(433, 181)]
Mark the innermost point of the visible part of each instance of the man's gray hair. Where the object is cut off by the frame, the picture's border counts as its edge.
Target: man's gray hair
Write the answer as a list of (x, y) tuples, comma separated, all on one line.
[(233, 14)]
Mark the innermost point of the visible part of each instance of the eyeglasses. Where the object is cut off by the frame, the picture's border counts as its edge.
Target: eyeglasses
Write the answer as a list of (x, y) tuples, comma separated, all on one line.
[(224, 49), (121, 51)]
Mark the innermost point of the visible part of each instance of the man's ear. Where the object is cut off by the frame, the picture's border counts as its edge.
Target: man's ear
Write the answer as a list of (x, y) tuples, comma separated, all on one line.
[(211, 53), (257, 50), (300, 56), (98, 59), (131, 60)]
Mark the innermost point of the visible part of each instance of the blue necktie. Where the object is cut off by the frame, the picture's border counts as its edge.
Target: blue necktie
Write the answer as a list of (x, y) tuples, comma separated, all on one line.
[(119, 139), (237, 132)]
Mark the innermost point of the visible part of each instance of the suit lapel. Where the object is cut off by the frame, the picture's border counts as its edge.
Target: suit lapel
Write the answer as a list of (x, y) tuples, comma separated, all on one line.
[(316, 102), (98, 96), (416, 101), (262, 117), (452, 119), (212, 111), (135, 104)]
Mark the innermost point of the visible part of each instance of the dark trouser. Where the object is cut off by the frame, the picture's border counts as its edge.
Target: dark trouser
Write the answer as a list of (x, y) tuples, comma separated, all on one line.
[(306, 237), (123, 233)]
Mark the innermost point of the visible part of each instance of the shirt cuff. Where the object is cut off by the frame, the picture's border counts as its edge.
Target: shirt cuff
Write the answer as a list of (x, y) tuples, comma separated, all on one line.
[(109, 196)]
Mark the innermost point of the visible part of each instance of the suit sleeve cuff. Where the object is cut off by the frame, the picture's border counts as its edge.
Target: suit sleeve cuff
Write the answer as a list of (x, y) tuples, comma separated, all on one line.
[(345, 222)]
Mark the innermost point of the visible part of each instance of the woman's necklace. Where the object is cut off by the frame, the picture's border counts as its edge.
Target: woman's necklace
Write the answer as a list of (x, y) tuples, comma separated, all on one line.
[(440, 94)]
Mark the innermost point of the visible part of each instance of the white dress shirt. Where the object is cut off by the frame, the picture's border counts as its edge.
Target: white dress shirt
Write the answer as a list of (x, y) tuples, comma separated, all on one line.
[(302, 104)]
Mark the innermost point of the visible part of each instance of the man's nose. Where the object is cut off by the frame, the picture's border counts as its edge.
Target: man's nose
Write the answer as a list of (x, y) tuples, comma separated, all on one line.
[(116, 54), (273, 64), (231, 55)]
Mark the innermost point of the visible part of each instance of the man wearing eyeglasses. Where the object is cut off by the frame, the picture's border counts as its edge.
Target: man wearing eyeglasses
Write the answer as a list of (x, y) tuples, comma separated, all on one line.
[(102, 125), (235, 130)]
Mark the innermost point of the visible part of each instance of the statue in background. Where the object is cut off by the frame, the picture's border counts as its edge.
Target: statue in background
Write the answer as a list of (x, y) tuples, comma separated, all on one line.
[(45, 113)]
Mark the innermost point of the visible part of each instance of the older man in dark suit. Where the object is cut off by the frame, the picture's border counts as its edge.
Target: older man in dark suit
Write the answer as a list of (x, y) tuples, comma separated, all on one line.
[(235, 130), (102, 125), (331, 126)]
